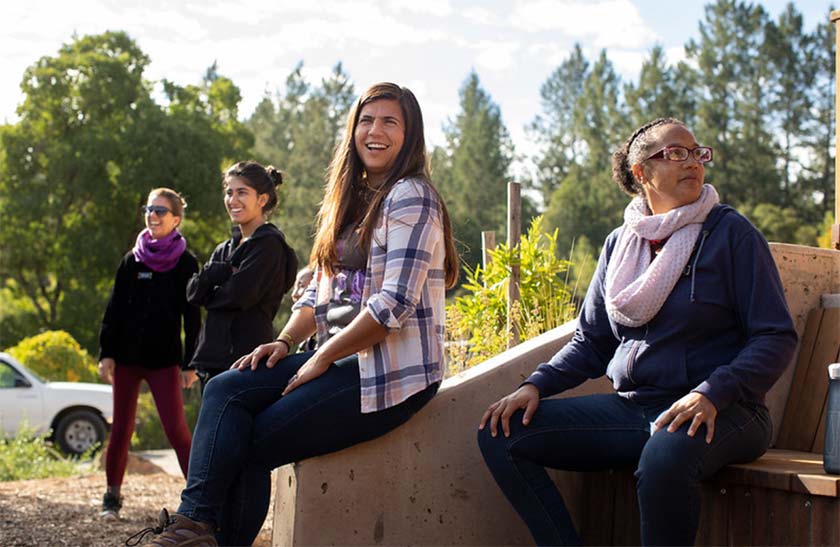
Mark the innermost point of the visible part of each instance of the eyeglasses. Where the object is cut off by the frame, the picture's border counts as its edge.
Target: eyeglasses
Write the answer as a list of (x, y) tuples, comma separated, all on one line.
[(159, 210), (702, 154)]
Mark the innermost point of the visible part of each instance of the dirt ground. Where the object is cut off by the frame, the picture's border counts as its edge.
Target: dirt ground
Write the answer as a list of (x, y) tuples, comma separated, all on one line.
[(65, 511)]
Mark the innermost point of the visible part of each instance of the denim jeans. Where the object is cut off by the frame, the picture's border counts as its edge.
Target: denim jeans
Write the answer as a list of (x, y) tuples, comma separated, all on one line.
[(246, 428), (608, 431)]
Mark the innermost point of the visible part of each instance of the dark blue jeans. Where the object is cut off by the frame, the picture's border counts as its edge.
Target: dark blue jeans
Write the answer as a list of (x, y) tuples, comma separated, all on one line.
[(245, 429), (608, 431)]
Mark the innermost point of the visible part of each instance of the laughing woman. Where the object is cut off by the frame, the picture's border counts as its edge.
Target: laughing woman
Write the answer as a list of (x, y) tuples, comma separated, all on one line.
[(140, 339), (383, 255), (242, 284)]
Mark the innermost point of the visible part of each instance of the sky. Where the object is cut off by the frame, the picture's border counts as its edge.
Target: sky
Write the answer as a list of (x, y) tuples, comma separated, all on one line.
[(429, 46)]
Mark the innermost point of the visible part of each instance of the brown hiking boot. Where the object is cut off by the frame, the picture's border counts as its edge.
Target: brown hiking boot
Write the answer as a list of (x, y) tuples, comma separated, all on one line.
[(176, 531)]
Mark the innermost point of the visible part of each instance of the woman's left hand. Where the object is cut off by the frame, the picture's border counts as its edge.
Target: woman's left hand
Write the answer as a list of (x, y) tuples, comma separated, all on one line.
[(311, 369), (188, 378), (695, 407)]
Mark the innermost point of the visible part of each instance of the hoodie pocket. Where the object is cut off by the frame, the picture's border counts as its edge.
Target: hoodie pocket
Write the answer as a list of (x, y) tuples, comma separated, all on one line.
[(664, 368)]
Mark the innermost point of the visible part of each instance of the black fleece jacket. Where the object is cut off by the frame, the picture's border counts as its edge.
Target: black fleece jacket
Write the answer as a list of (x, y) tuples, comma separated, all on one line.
[(142, 322), (241, 287)]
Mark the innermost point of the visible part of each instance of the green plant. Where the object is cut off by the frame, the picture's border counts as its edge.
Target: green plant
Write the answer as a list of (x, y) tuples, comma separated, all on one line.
[(476, 323), (148, 430), (55, 355), (30, 456)]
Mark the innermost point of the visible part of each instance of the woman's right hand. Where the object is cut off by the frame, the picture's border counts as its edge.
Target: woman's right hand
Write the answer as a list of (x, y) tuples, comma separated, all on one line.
[(526, 397), (274, 350), (106, 369)]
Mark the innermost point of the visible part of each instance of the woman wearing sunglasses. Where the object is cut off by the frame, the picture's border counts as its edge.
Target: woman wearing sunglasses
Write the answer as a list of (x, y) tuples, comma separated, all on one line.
[(686, 315), (140, 338), (242, 284)]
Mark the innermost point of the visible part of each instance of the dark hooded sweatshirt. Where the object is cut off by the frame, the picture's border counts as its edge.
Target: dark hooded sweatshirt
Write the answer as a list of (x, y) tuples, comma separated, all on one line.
[(724, 331), (241, 287)]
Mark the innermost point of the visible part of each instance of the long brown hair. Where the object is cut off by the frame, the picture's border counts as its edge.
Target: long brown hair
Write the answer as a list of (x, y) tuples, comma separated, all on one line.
[(345, 182)]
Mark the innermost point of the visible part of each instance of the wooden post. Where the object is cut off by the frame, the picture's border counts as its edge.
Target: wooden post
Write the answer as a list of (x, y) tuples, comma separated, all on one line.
[(488, 243), (835, 228), (514, 234)]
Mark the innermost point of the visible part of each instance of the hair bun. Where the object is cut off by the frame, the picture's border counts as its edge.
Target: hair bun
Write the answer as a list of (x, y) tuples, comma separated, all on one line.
[(275, 175)]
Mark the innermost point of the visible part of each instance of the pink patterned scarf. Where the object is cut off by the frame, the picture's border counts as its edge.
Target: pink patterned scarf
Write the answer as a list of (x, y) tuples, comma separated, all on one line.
[(636, 287)]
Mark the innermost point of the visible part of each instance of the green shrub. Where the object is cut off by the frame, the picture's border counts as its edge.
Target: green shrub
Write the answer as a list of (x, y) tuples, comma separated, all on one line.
[(55, 355), (30, 456), (148, 431), (476, 323)]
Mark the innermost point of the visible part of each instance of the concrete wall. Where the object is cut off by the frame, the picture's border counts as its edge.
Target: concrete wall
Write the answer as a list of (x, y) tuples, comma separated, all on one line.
[(425, 483)]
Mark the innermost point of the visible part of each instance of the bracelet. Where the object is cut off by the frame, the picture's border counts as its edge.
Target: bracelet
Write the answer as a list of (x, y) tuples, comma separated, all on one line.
[(283, 341), (287, 338)]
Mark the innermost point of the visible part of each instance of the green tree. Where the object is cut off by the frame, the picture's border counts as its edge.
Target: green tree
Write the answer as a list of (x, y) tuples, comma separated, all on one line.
[(818, 130), (474, 170), (297, 132), (787, 47), (555, 128), (89, 146), (587, 202), (659, 93), (734, 102)]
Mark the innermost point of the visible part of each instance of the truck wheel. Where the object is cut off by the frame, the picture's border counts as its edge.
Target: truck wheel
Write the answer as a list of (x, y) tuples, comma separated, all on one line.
[(78, 430)]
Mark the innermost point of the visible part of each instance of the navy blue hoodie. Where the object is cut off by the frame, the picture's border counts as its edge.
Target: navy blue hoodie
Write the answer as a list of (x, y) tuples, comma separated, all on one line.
[(724, 331)]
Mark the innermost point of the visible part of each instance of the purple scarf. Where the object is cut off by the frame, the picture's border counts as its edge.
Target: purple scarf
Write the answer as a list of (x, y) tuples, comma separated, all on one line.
[(160, 255)]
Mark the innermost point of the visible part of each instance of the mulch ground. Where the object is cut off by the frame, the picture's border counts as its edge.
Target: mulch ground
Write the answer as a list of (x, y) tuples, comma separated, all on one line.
[(65, 511)]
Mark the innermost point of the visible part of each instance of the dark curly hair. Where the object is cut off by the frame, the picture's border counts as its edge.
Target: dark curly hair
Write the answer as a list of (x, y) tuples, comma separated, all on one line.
[(634, 150), (264, 180)]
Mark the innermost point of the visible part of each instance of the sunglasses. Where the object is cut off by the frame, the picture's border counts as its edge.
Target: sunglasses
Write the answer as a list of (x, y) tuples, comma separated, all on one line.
[(159, 210)]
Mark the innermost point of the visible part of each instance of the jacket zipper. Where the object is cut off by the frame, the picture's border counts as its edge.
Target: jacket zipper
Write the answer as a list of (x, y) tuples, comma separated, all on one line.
[(631, 359), (694, 264)]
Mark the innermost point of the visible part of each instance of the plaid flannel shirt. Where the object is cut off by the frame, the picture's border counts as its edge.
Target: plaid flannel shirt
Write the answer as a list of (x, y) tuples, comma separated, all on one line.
[(404, 292)]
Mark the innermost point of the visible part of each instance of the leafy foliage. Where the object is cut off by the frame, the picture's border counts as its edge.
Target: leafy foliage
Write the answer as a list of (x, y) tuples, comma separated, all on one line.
[(148, 430), (89, 146), (477, 322), (29, 456), (55, 355)]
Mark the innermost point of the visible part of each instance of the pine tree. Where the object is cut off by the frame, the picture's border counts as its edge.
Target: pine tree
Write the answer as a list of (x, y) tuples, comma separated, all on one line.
[(472, 174), (555, 128)]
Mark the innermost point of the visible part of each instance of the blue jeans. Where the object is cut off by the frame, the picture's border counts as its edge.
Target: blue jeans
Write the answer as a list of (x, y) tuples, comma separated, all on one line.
[(245, 429), (608, 431)]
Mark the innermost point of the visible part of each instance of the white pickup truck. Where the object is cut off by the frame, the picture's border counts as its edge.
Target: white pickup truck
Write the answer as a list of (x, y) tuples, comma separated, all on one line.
[(78, 414)]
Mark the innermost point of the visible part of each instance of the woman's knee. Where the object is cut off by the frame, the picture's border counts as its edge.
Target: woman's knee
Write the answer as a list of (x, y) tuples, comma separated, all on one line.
[(221, 385), (670, 458)]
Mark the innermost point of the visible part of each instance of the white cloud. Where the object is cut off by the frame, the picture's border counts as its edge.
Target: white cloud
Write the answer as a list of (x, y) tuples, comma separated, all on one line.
[(675, 54), (496, 56), (605, 23), (549, 54), (438, 8), (628, 62), (483, 16)]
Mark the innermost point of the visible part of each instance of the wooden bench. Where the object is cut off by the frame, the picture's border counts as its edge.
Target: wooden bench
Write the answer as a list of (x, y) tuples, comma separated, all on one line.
[(783, 498)]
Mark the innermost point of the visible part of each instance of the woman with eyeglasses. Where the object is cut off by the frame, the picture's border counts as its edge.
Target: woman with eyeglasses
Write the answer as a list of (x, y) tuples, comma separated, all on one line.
[(140, 338), (687, 316), (243, 283)]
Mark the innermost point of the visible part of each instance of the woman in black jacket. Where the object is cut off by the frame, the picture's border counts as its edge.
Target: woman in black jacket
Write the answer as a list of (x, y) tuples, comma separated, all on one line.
[(242, 284), (140, 338)]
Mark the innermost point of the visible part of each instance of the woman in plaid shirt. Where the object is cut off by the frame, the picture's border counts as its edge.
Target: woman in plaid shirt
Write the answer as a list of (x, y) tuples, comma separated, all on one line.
[(383, 257)]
